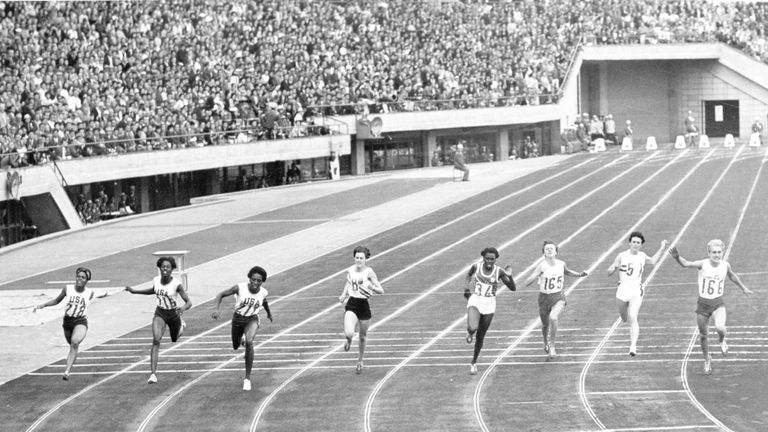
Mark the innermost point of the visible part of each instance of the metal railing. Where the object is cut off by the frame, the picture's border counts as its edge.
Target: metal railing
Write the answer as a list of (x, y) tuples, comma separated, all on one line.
[(419, 104), (41, 155)]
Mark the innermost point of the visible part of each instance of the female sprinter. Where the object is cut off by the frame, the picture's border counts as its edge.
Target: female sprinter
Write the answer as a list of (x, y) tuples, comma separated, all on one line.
[(550, 272), (251, 298), (629, 295), (361, 283), (711, 286), (75, 318), (481, 303), (168, 289)]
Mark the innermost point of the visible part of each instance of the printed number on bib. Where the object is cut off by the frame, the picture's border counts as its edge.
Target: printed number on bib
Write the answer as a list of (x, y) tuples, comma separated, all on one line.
[(250, 305), (711, 286), (629, 269), (359, 286), (551, 284), (484, 290), (76, 308)]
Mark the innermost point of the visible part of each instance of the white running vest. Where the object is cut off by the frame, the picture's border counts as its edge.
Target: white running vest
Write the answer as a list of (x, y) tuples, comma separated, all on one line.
[(167, 295), (77, 303), (249, 304), (712, 279)]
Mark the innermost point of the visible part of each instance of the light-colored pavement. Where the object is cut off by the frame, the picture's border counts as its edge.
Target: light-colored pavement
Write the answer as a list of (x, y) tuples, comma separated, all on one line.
[(31, 341)]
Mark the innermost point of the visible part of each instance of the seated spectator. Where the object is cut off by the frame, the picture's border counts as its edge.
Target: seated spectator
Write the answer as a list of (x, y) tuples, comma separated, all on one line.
[(628, 129), (595, 128), (294, 174), (435, 162), (459, 161), (122, 205), (691, 131), (757, 127), (610, 129)]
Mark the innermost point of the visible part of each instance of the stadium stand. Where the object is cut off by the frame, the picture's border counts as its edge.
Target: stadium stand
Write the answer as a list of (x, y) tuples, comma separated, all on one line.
[(94, 78)]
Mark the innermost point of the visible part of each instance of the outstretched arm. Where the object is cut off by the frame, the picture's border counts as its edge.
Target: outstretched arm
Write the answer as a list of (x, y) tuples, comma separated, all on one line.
[(468, 280), (345, 292), (185, 297), (146, 291), (682, 261), (534, 275), (735, 278), (220, 296), (52, 302), (375, 284), (614, 266), (657, 256), (265, 305), (570, 272), (508, 281)]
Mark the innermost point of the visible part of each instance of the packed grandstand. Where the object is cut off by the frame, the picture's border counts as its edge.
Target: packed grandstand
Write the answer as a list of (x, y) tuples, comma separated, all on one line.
[(110, 77)]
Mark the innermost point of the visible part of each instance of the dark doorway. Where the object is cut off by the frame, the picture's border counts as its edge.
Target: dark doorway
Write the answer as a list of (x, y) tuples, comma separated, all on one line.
[(721, 117)]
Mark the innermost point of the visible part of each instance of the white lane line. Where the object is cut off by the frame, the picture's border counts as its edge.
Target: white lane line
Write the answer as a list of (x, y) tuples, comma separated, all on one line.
[(113, 375), (585, 370), (456, 220), (661, 428), (380, 384), (633, 392), (692, 343), (215, 225), (162, 404), (265, 402), (268, 221), (388, 352), (535, 322), (343, 363)]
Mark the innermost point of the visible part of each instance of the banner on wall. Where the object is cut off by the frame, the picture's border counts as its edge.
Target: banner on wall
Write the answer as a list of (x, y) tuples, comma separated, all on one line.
[(12, 184)]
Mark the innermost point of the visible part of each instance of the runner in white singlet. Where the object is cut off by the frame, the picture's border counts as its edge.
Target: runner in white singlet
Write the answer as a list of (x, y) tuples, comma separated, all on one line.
[(167, 289), (711, 287), (631, 264), (550, 272), (75, 323), (251, 298), (484, 278), (361, 283)]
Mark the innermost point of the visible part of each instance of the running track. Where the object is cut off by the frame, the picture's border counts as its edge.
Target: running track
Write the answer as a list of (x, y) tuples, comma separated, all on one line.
[(416, 375)]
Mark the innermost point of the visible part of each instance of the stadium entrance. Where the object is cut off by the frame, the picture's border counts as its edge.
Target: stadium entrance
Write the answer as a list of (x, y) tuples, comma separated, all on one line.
[(391, 154), (721, 117)]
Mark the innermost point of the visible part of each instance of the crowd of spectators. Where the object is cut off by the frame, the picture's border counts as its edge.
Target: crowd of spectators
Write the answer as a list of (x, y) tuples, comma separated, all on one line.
[(101, 206), (112, 77), (582, 134)]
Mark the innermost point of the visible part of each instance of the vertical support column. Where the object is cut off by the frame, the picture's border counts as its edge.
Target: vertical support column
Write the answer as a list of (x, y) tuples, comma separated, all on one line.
[(429, 140), (358, 157), (144, 195), (602, 89), (501, 152)]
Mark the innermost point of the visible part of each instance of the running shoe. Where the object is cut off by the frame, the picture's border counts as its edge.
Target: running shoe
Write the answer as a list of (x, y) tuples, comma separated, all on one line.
[(65, 377), (359, 368), (724, 348), (708, 366), (347, 344), (152, 379), (247, 384), (473, 369), (546, 348), (632, 351), (552, 352), (469, 337)]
